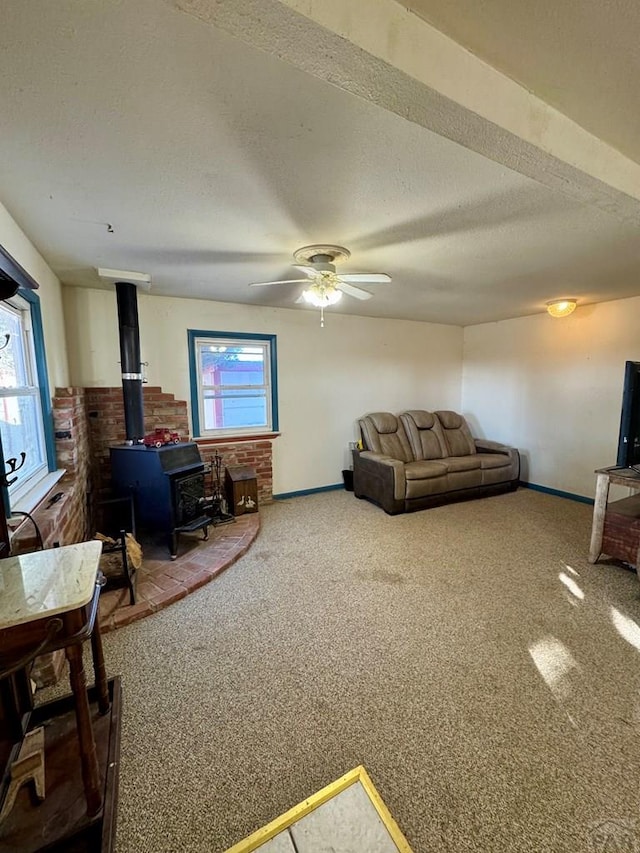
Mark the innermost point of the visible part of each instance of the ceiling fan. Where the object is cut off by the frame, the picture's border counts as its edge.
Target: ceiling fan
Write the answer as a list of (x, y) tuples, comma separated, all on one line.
[(325, 285)]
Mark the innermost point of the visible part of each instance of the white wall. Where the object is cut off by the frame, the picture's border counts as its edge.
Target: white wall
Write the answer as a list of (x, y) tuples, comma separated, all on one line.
[(553, 388), (16, 243), (327, 377)]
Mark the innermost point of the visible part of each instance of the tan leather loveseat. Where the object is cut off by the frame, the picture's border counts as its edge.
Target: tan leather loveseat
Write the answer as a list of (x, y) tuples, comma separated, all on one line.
[(422, 459)]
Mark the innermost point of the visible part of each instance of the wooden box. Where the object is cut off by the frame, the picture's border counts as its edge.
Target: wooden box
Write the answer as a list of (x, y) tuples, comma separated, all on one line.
[(241, 486), (621, 536)]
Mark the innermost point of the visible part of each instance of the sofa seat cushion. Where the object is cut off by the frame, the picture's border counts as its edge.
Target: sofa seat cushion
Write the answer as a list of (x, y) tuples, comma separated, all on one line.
[(427, 486), (493, 460), (424, 469), (462, 463), (465, 479)]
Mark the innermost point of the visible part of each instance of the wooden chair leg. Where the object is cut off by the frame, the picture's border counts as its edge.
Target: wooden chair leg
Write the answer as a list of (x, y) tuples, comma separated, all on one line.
[(88, 754), (102, 687)]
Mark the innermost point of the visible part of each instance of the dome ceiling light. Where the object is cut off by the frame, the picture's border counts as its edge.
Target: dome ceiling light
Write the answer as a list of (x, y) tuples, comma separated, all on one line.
[(561, 307)]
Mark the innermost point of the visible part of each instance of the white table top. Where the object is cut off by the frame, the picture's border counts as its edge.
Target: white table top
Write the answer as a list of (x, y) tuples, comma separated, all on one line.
[(45, 583)]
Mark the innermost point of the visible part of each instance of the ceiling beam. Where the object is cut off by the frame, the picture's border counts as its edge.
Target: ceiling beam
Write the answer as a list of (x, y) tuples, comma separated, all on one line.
[(379, 51)]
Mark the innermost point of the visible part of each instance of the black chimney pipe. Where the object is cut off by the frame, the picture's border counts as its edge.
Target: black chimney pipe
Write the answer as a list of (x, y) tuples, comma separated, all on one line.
[(130, 360)]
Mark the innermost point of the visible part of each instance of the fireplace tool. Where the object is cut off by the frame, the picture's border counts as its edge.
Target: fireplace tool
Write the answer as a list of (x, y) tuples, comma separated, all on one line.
[(217, 503)]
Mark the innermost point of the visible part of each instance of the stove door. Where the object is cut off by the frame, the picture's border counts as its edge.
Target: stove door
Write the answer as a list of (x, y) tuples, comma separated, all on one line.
[(188, 498)]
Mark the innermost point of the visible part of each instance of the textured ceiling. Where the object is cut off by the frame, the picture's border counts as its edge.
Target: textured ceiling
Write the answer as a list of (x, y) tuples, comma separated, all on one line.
[(580, 56), (136, 137)]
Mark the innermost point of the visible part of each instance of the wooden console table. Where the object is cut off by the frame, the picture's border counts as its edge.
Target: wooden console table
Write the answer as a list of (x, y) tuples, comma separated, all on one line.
[(49, 601), (605, 478)]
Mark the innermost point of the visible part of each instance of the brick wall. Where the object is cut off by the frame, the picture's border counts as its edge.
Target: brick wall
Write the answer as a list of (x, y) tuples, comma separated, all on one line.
[(105, 416), (72, 454), (257, 453)]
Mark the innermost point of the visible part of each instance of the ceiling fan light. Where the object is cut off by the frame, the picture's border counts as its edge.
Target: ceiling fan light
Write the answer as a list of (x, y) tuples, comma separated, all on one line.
[(561, 307), (321, 297)]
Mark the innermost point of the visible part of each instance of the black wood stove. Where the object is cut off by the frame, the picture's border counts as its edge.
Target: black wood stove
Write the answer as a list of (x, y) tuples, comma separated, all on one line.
[(167, 484)]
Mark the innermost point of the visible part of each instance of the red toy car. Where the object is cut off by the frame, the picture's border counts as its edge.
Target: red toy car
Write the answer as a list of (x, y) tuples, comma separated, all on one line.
[(161, 436)]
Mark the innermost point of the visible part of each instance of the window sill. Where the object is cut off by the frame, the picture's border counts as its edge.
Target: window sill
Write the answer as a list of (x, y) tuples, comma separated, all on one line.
[(230, 439), (30, 501)]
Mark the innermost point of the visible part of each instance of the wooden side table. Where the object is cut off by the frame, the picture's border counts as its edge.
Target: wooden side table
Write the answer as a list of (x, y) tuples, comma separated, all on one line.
[(605, 478)]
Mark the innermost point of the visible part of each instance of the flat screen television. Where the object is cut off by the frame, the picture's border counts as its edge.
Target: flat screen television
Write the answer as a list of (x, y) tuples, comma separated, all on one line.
[(629, 438)]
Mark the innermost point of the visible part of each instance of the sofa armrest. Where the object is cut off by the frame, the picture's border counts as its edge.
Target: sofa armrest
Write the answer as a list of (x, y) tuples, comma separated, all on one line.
[(483, 445), (379, 478)]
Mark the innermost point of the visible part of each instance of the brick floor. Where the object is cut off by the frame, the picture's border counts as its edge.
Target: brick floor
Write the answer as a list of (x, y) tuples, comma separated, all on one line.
[(161, 580)]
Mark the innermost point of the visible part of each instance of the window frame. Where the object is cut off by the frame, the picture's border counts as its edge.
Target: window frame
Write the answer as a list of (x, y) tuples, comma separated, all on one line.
[(245, 338), (36, 356)]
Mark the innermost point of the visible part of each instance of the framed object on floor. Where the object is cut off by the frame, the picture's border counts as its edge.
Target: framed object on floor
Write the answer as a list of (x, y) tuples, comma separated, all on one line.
[(347, 814)]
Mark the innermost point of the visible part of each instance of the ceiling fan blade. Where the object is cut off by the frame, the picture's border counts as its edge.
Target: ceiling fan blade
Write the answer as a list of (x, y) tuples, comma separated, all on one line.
[(350, 290), (307, 270), (365, 277), (284, 281)]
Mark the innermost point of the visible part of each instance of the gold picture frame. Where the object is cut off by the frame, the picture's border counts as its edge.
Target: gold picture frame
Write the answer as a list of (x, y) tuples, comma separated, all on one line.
[(358, 774)]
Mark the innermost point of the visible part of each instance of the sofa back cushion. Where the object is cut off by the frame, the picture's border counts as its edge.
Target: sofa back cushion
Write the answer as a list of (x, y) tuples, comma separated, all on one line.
[(457, 435), (383, 433), (425, 435)]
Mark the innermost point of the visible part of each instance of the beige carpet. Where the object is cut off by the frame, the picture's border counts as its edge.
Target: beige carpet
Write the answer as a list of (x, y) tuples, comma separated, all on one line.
[(468, 656)]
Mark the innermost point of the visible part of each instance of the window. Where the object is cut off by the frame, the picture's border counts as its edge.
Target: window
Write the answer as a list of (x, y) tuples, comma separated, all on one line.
[(233, 383), (23, 393)]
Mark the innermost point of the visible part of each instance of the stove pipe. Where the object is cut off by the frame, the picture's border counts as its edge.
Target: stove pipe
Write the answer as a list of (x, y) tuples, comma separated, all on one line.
[(130, 360)]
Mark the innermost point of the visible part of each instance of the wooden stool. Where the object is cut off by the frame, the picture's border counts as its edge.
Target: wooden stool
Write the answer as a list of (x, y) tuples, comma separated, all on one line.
[(28, 767)]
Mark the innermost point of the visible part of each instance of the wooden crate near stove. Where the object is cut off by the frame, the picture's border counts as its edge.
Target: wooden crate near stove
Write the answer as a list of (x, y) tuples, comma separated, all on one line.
[(241, 485)]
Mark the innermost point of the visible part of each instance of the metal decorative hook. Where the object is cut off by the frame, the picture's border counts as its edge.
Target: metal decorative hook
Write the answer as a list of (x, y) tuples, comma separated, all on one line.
[(12, 466)]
